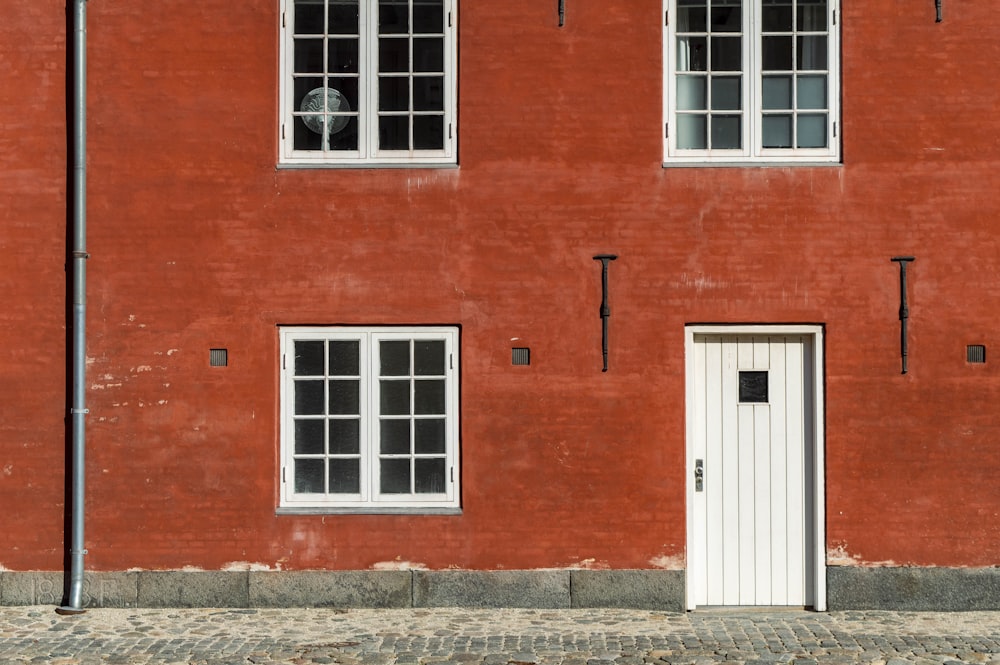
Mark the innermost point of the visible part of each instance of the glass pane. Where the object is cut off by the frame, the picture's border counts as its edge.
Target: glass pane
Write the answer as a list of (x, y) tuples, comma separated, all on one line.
[(777, 130), (308, 398), (344, 358), (308, 56), (309, 358), (777, 92), (429, 476), (428, 357), (753, 387), (393, 16), (309, 476), (394, 476), (726, 134), (308, 18), (428, 93), (428, 16), (777, 53), (692, 132), (393, 93), (345, 436), (428, 54), (345, 476), (726, 16), (811, 131), (692, 54), (394, 437), (429, 436), (812, 52), (812, 16), (394, 398), (345, 398), (726, 94), (343, 18), (394, 358), (394, 133), (309, 437), (691, 93), (726, 55), (342, 56), (777, 16), (811, 92), (344, 99), (428, 132), (428, 396), (691, 15), (393, 55)]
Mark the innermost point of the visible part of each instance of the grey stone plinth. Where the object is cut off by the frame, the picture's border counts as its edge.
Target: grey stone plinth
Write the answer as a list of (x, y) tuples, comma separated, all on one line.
[(500, 588), (114, 589), (193, 589), (635, 589), (346, 588), (913, 589)]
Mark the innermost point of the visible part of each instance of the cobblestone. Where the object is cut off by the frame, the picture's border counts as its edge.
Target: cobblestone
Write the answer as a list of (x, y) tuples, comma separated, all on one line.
[(495, 637)]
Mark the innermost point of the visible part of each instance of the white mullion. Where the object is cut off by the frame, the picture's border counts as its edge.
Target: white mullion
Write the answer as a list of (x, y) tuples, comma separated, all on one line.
[(370, 423)]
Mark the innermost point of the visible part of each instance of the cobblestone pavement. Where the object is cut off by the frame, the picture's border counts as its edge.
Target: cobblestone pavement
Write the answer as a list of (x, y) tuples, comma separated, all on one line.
[(496, 637)]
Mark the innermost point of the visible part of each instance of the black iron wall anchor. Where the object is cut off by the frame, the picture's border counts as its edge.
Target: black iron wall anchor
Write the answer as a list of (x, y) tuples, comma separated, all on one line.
[(937, 8), (605, 310), (904, 309), (562, 12)]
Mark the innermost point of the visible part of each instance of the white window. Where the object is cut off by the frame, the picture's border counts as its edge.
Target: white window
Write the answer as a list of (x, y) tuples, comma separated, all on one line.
[(369, 419), (751, 81), (368, 82)]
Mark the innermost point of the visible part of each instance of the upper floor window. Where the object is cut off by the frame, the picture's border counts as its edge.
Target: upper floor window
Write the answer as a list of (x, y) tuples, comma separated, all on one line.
[(368, 82), (751, 81)]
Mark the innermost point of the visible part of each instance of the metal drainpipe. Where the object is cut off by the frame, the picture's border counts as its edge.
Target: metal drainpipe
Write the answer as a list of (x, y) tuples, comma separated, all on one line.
[(79, 255)]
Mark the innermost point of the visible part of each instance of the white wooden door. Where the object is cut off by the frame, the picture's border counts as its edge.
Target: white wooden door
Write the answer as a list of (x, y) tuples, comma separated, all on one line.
[(752, 523)]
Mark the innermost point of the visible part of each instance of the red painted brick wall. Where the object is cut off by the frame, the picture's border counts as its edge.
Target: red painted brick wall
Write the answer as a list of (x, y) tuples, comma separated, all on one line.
[(197, 241)]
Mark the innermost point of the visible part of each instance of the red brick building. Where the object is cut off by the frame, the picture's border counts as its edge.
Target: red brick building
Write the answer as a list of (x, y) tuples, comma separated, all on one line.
[(344, 334)]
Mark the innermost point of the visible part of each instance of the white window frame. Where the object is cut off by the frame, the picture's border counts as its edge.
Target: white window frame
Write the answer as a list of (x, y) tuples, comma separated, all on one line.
[(369, 499), (368, 154), (752, 151)]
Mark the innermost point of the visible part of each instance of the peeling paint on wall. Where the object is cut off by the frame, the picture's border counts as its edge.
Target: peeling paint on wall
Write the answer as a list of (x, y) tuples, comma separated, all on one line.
[(398, 565), (667, 562)]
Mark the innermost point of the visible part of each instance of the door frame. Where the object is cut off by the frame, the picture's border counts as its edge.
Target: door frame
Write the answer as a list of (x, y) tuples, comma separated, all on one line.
[(818, 442)]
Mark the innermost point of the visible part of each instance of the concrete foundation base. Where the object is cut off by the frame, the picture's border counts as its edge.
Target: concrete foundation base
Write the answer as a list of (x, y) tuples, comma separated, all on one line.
[(914, 589)]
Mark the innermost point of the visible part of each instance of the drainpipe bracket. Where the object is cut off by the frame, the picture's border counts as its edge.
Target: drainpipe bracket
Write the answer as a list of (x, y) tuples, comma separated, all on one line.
[(81, 255)]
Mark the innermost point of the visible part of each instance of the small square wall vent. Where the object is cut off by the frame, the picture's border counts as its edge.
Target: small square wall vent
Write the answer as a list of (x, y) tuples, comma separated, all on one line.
[(975, 353), (520, 356), (218, 357)]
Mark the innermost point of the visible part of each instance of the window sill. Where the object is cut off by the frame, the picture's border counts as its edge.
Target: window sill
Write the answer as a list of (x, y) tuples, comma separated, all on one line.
[(366, 165), (750, 165), (374, 510)]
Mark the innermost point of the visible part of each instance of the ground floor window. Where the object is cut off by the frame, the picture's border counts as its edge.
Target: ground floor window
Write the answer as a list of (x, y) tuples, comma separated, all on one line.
[(369, 418)]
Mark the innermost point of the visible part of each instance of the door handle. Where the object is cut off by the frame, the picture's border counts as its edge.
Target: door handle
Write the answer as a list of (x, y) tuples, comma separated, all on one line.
[(699, 475)]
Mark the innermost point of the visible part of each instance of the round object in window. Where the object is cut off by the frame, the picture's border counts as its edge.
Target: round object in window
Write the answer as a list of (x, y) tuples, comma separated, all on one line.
[(335, 102)]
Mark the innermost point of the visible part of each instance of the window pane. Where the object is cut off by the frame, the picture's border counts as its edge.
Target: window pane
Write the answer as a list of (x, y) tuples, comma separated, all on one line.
[(428, 396), (428, 16), (811, 131), (777, 130), (394, 398), (430, 436), (753, 387), (428, 93), (394, 358), (428, 132), (393, 55), (726, 16), (691, 132), (777, 92), (811, 92), (308, 398), (344, 358), (309, 18), (309, 437), (309, 358), (394, 476), (428, 357), (309, 476), (777, 53), (394, 93), (343, 18), (812, 16), (394, 133), (394, 437), (726, 94), (428, 54), (726, 54), (812, 52), (345, 397), (691, 93), (393, 16), (691, 15), (308, 56), (345, 436), (345, 476), (430, 476), (692, 54), (726, 134), (777, 16), (342, 56)]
